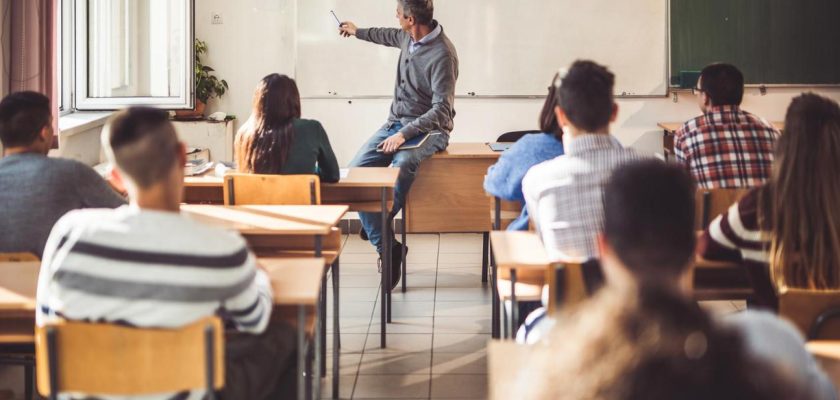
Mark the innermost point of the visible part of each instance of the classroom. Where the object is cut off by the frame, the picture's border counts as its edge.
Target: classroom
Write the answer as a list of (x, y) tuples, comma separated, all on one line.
[(419, 199)]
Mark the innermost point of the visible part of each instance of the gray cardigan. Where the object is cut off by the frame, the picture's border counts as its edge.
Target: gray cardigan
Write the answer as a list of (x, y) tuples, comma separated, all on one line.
[(424, 95)]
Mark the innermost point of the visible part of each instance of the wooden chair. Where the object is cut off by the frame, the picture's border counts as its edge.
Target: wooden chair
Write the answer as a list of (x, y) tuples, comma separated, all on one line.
[(251, 189), (815, 312), (19, 272), (713, 202), (123, 361)]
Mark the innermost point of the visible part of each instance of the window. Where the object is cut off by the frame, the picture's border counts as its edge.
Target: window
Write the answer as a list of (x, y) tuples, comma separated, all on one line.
[(128, 52)]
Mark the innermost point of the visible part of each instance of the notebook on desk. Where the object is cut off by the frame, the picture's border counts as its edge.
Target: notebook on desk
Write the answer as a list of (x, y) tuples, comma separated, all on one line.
[(499, 146), (412, 143)]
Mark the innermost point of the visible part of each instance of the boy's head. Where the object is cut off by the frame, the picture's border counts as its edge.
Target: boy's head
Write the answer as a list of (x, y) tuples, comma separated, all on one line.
[(648, 223), (26, 122), (143, 147), (585, 97), (720, 85)]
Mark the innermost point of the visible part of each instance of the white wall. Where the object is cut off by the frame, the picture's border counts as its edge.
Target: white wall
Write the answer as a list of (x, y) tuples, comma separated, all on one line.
[(257, 38)]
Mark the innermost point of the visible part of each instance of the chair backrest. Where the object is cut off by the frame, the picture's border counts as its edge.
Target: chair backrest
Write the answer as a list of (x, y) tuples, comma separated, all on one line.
[(709, 203), (255, 189), (815, 312), (123, 361), (511, 137), (566, 285), (18, 257)]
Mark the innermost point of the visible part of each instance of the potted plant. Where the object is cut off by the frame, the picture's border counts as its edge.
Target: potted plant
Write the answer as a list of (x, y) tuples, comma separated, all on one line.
[(207, 85)]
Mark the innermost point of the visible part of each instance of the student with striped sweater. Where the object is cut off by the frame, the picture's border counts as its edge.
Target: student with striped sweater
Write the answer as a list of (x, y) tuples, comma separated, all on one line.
[(787, 232), (146, 265)]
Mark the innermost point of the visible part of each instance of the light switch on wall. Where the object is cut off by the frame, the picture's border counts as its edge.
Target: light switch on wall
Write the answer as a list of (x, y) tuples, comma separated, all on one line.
[(216, 19)]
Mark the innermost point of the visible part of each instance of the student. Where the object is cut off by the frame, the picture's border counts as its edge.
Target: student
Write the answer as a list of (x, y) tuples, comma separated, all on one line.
[(424, 98), (275, 140), (787, 229), (37, 190), (726, 147), (504, 179), (563, 195), (643, 336), (146, 265)]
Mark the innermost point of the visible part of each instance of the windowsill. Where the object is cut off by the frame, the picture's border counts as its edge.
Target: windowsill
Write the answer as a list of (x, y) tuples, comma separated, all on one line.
[(77, 122)]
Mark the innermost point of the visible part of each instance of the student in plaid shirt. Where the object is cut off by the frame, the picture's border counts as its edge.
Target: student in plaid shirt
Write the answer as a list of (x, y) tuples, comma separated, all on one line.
[(726, 147)]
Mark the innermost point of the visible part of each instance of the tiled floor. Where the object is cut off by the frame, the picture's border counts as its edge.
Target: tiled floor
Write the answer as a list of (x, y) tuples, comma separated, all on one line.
[(439, 330)]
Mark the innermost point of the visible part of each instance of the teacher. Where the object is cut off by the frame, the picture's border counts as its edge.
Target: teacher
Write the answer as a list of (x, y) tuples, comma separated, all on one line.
[(422, 105)]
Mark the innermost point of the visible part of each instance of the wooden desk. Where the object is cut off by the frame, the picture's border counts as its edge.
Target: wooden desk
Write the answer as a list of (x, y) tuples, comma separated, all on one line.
[(448, 194), (362, 189), (827, 353), (512, 251), (505, 361), (670, 128)]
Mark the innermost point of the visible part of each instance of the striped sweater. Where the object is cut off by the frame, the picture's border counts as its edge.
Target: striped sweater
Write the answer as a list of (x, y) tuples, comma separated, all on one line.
[(149, 269), (735, 236)]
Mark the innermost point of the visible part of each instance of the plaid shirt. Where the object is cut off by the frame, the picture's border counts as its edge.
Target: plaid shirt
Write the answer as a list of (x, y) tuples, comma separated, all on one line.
[(726, 148), (564, 195)]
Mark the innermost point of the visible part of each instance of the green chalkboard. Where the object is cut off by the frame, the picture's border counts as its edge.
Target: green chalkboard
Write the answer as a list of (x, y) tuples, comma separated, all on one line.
[(771, 41)]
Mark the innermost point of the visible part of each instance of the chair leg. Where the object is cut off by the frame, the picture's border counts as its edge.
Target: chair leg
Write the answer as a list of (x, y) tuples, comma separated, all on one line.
[(29, 378), (404, 252), (485, 259)]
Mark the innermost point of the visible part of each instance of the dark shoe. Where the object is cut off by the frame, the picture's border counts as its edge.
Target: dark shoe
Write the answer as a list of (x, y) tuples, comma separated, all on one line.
[(363, 234), (396, 263)]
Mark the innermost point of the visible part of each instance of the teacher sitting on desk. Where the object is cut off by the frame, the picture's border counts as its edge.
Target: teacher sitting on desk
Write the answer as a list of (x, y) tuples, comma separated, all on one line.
[(423, 105)]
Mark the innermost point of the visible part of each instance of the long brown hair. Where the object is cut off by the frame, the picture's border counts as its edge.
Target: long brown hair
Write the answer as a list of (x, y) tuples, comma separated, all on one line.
[(801, 209), (263, 146)]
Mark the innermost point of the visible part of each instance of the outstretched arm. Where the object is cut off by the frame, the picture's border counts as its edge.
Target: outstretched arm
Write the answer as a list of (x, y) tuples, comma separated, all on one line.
[(391, 37)]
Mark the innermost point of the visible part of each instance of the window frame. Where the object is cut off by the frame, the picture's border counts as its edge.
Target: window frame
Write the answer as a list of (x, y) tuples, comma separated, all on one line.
[(79, 97)]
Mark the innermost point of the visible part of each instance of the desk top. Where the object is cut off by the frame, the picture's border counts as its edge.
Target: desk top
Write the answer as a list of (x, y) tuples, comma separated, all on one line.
[(672, 127), (18, 285), (468, 151), (269, 220), (504, 359), (518, 250), (295, 281), (374, 177)]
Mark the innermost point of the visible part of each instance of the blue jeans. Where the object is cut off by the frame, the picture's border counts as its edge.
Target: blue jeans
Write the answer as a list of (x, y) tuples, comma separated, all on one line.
[(408, 161)]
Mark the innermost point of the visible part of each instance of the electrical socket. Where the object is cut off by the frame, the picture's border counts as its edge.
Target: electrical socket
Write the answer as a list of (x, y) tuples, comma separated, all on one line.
[(216, 19)]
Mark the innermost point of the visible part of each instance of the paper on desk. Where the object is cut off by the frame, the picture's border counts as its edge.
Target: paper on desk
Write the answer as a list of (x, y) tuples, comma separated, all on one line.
[(343, 172)]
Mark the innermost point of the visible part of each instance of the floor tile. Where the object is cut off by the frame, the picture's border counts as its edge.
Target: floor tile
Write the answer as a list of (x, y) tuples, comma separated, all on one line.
[(403, 309), (401, 324), (459, 386), (350, 342), (428, 267), (460, 243), (367, 280), (357, 269), (459, 363), (422, 278), (345, 387), (356, 309), (460, 259), (395, 363), (396, 343), (351, 324), (459, 342), (414, 294), (474, 324), (392, 387), (359, 258), (348, 363), (461, 308), (421, 257), (459, 278), (463, 294), (358, 294)]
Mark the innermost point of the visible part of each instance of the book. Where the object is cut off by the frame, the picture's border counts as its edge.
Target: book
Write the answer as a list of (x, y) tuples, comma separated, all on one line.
[(412, 143)]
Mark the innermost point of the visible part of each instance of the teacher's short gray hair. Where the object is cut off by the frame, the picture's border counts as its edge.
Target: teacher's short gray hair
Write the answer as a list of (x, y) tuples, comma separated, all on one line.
[(423, 11)]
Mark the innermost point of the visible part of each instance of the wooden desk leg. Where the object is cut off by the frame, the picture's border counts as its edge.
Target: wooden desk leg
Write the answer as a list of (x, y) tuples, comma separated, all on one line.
[(322, 324), (301, 362), (320, 361), (386, 267), (514, 308), (485, 250), (389, 231), (336, 335), (404, 246), (495, 326)]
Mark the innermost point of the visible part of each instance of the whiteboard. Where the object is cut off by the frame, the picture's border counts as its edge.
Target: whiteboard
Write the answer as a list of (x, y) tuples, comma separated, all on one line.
[(505, 47)]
